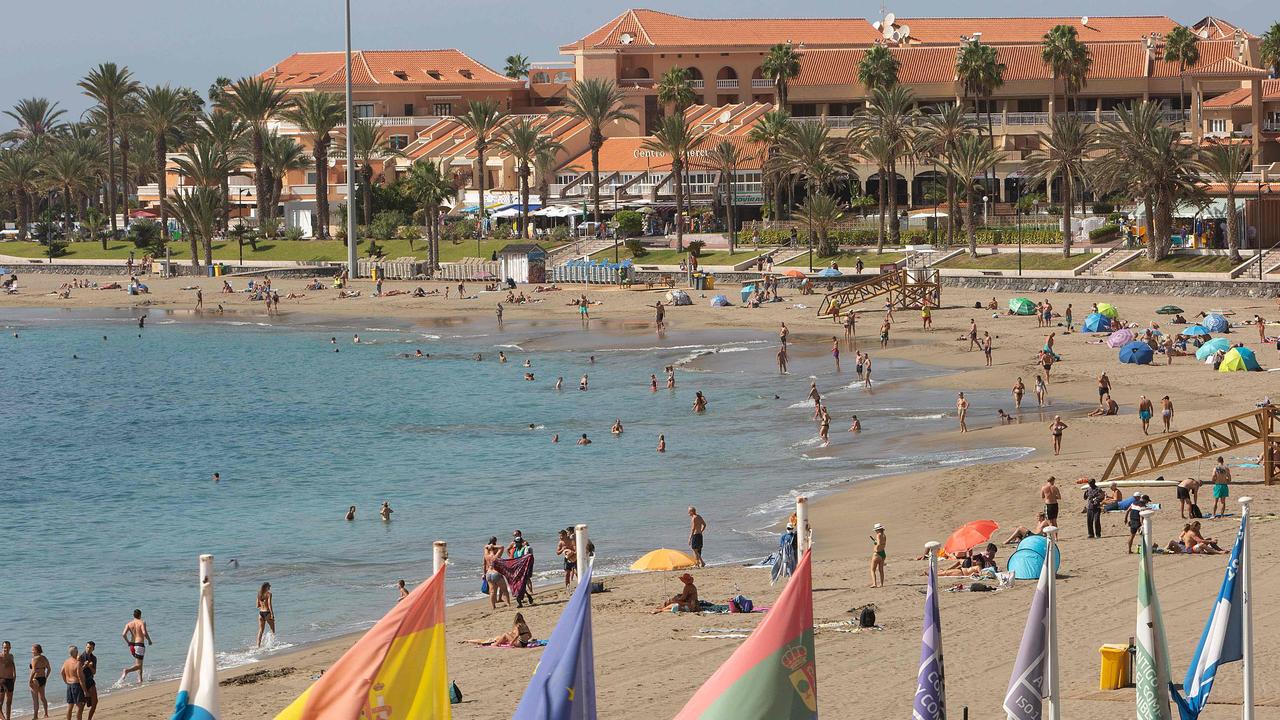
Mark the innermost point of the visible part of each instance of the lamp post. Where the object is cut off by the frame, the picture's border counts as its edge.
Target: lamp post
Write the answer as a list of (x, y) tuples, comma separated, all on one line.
[(1258, 235), (986, 210), (351, 176)]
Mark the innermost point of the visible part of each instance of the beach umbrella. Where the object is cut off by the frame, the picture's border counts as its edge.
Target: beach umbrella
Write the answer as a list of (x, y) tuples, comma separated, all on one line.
[(1021, 306), (970, 534), (1196, 331), (720, 301), (829, 272), (1026, 562), (794, 273), (663, 559), (746, 292), (1216, 323), (1212, 347), (1168, 310), (1137, 353), (1120, 338), (1096, 322), (1237, 359), (1109, 310)]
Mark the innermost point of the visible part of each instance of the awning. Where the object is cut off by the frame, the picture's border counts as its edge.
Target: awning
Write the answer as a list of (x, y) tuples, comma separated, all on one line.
[(558, 211)]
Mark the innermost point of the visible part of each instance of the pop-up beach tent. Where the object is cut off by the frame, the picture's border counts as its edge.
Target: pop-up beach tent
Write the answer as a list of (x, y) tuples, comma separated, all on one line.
[(1237, 359), (1021, 306), (1168, 310), (1212, 347), (1026, 562), (1136, 353), (746, 292), (679, 297), (720, 301), (1096, 322)]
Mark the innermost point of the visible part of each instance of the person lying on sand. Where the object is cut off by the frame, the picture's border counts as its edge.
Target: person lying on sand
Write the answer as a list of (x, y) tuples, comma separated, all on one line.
[(1106, 406), (1042, 522), (518, 636), (344, 294), (686, 601)]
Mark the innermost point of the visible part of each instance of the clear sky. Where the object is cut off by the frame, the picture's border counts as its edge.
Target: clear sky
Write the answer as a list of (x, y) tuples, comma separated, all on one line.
[(48, 45)]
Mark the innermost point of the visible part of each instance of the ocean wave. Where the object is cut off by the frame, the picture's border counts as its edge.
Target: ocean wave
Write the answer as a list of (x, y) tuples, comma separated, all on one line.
[(378, 329), (510, 346), (236, 658), (926, 416), (429, 336)]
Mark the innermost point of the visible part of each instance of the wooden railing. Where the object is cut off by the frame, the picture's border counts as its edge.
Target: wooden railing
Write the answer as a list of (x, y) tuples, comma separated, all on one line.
[(1200, 442)]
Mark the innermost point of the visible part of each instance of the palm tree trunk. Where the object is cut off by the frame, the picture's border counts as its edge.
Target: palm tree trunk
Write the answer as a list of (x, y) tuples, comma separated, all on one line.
[(676, 172), (1066, 215), (970, 219), (366, 174), (225, 187), (111, 172), (66, 209), (951, 209), (320, 221), (1233, 243), (162, 183), (895, 225), (524, 200), (207, 242), (481, 173), (195, 249), (595, 183), (124, 178), (880, 224), (259, 181)]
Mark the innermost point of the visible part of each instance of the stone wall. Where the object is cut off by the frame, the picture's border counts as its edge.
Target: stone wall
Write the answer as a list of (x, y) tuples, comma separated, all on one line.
[(1120, 286), (73, 269)]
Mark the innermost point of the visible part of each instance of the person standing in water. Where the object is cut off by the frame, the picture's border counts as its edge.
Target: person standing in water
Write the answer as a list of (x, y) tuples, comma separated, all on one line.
[(386, 511), (878, 556), (962, 410), (40, 671), (401, 590), (866, 371), (1019, 389), (136, 637), (8, 677), (351, 513), (697, 527), (699, 402), (266, 612), (835, 351), (662, 443)]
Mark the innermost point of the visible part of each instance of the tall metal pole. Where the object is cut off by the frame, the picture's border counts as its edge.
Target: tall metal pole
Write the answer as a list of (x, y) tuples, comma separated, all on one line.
[(1053, 709), (1246, 615), (351, 175)]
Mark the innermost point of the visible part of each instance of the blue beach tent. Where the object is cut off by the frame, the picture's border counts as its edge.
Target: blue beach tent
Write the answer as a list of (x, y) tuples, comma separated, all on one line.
[(1026, 562), (720, 301), (830, 272), (1137, 353), (1096, 322)]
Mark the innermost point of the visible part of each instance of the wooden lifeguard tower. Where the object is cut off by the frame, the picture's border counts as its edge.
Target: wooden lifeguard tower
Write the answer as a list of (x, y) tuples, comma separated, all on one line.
[(904, 289)]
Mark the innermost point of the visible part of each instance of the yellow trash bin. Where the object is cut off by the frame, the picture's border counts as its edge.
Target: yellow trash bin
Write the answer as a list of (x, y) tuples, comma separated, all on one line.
[(373, 273), (1115, 667), (217, 271), (711, 282)]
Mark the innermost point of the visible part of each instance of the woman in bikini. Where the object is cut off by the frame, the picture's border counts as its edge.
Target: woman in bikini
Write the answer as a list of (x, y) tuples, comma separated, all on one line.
[(1166, 412), (40, 670), (518, 636), (835, 351), (266, 612), (1042, 391), (498, 589)]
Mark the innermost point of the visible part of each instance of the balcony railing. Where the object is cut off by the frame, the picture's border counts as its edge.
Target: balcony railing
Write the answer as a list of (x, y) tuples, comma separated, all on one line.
[(1027, 118), (730, 84), (761, 83), (1271, 126), (696, 84), (636, 82)]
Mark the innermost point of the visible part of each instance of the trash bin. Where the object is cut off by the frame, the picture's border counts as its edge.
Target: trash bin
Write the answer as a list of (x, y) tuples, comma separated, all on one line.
[(699, 281), (711, 282), (1115, 667), (373, 273), (211, 270), (217, 270)]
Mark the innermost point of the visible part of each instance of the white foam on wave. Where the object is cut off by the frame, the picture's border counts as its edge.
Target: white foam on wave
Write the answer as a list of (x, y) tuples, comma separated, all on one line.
[(510, 346), (429, 336), (807, 403), (270, 645), (377, 329), (924, 416)]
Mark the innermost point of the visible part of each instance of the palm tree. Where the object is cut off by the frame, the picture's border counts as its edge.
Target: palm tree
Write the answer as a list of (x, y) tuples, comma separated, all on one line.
[(1226, 163), (891, 116), (781, 65), (517, 66), (820, 212), (226, 133), (431, 189), (811, 152), (318, 115), (482, 119), (280, 154), (676, 138), (20, 176), (596, 102), (1142, 157), (206, 163), (940, 132), (980, 72), (1067, 58), (37, 120), (1062, 154), (725, 159), (675, 89), (878, 68), (167, 115), (65, 170), (1269, 48), (110, 86), (973, 158), (218, 89), (198, 212), (880, 152), (523, 141), (1180, 46), (769, 131), (369, 145), (256, 101), (545, 163)]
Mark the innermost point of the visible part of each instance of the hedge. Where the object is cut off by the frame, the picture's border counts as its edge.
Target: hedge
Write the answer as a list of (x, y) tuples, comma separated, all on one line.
[(1104, 231), (919, 236)]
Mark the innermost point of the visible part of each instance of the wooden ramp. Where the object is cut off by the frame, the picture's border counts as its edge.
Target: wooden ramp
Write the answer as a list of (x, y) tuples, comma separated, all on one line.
[(1200, 442), (904, 289)]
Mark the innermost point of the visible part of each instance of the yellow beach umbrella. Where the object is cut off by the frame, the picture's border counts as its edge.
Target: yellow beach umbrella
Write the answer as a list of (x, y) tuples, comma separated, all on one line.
[(663, 559)]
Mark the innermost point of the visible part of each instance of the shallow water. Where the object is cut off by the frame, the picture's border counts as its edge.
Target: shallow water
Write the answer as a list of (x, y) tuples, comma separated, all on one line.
[(108, 501)]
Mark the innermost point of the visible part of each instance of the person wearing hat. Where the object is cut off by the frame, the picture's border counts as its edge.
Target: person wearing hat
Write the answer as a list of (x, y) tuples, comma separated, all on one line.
[(879, 556), (686, 601)]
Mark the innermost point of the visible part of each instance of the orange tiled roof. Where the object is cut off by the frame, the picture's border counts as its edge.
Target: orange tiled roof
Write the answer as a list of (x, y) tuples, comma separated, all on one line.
[(1004, 30), (384, 68), (1244, 96), (1226, 67), (727, 122), (650, 28), (916, 66), (1213, 28), (1210, 52)]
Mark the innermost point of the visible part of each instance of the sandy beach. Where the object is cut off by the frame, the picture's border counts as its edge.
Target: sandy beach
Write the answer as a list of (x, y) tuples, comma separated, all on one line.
[(647, 666)]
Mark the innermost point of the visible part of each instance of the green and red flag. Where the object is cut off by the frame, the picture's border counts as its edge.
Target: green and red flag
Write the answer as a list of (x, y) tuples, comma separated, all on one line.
[(773, 675)]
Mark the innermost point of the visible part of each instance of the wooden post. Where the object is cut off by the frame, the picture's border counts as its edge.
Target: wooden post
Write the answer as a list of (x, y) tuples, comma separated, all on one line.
[(802, 525), (439, 555), (581, 544)]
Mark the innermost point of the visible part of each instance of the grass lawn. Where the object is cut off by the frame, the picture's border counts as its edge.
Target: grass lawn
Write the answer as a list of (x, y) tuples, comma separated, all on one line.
[(870, 260), (1180, 263), (1009, 261), (307, 250), (668, 256)]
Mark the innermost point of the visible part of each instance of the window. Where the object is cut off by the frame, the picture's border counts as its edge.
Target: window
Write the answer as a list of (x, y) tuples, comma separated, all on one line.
[(563, 77), (362, 110), (1218, 125), (540, 77), (311, 177), (398, 142), (442, 109), (408, 109)]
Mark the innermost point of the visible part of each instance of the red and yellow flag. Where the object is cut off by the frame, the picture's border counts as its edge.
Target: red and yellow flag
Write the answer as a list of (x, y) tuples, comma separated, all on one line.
[(396, 671)]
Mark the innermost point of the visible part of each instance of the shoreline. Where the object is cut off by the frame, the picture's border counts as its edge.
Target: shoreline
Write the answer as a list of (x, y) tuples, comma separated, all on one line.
[(915, 506)]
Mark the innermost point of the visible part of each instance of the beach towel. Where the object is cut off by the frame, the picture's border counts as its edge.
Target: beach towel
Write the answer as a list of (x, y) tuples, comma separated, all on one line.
[(517, 572), (786, 557)]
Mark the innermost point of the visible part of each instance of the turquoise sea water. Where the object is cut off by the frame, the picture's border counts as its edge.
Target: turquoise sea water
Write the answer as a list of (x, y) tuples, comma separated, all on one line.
[(107, 499)]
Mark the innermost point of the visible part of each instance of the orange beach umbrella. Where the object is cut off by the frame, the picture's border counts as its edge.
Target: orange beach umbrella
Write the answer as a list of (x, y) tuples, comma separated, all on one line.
[(794, 273), (970, 534)]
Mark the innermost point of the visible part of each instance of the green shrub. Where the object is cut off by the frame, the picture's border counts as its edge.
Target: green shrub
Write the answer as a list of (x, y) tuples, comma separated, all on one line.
[(1103, 208), (560, 233), (695, 247), (294, 233), (1103, 232), (628, 223), (375, 250), (636, 247), (409, 232), (386, 224)]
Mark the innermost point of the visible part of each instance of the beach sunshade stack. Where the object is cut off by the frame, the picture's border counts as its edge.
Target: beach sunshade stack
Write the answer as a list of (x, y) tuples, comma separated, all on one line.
[(1137, 353), (1021, 306), (1216, 323), (1211, 347), (1169, 310), (970, 534), (1108, 310), (1120, 338), (1238, 359), (663, 559), (198, 691), (1027, 561), (1096, 322)]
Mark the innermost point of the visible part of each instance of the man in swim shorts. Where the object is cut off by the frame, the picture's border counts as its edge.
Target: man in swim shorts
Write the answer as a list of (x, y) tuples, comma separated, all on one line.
[(697, 526), (8, 674), (1051, 494), (137, 637), (71, 676)]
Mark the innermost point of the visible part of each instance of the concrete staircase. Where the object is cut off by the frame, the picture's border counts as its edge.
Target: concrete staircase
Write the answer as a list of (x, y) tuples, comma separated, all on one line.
[(1111, 260), (580, 248)]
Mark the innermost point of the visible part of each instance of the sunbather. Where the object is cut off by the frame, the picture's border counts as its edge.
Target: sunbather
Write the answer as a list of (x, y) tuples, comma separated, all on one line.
[(686, 601), (1042, 522), (518, 636)]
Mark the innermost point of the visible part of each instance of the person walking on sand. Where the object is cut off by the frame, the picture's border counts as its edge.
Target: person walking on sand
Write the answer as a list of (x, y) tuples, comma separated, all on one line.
[(8, 676), (266, 612), (199, 307), (498, 311), (1051, 494), (71, 676), (926, 317), (660, 315), (1104, 385), (39, 678), (1221, 489), (1056, 428), (878, 555), (962, 410), (1166, 412), (973, 334), (697, 527), (1145, 411), (567, 548), (835, 351), (136, 637), (1046, 361), (1093, 499), (1019, 389), (88, 669), (1042, 391), (1262, 328), (1066, 315), (884, 332)]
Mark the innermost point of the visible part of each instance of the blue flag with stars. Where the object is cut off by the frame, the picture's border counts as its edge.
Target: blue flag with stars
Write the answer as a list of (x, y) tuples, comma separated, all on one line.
[(564, 683)]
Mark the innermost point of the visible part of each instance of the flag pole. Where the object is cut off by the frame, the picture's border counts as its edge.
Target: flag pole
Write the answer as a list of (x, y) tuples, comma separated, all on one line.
[(581, 543), (802, 525), (931, 550), (439, 555), (1054, 710), (1246, 615)]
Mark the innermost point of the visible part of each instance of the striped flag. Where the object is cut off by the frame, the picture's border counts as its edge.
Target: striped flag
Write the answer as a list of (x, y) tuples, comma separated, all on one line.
[(1223, 638), (772, 675), (397, 670), (1024, 699), (1151, 664), (198, 691), (931, 695), (564, 683)]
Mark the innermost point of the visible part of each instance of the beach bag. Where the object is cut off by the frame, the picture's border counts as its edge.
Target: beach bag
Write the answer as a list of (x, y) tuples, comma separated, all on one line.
[(455, 693), (740, 604), (484, 586), (1195, 511), (867, 617)]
